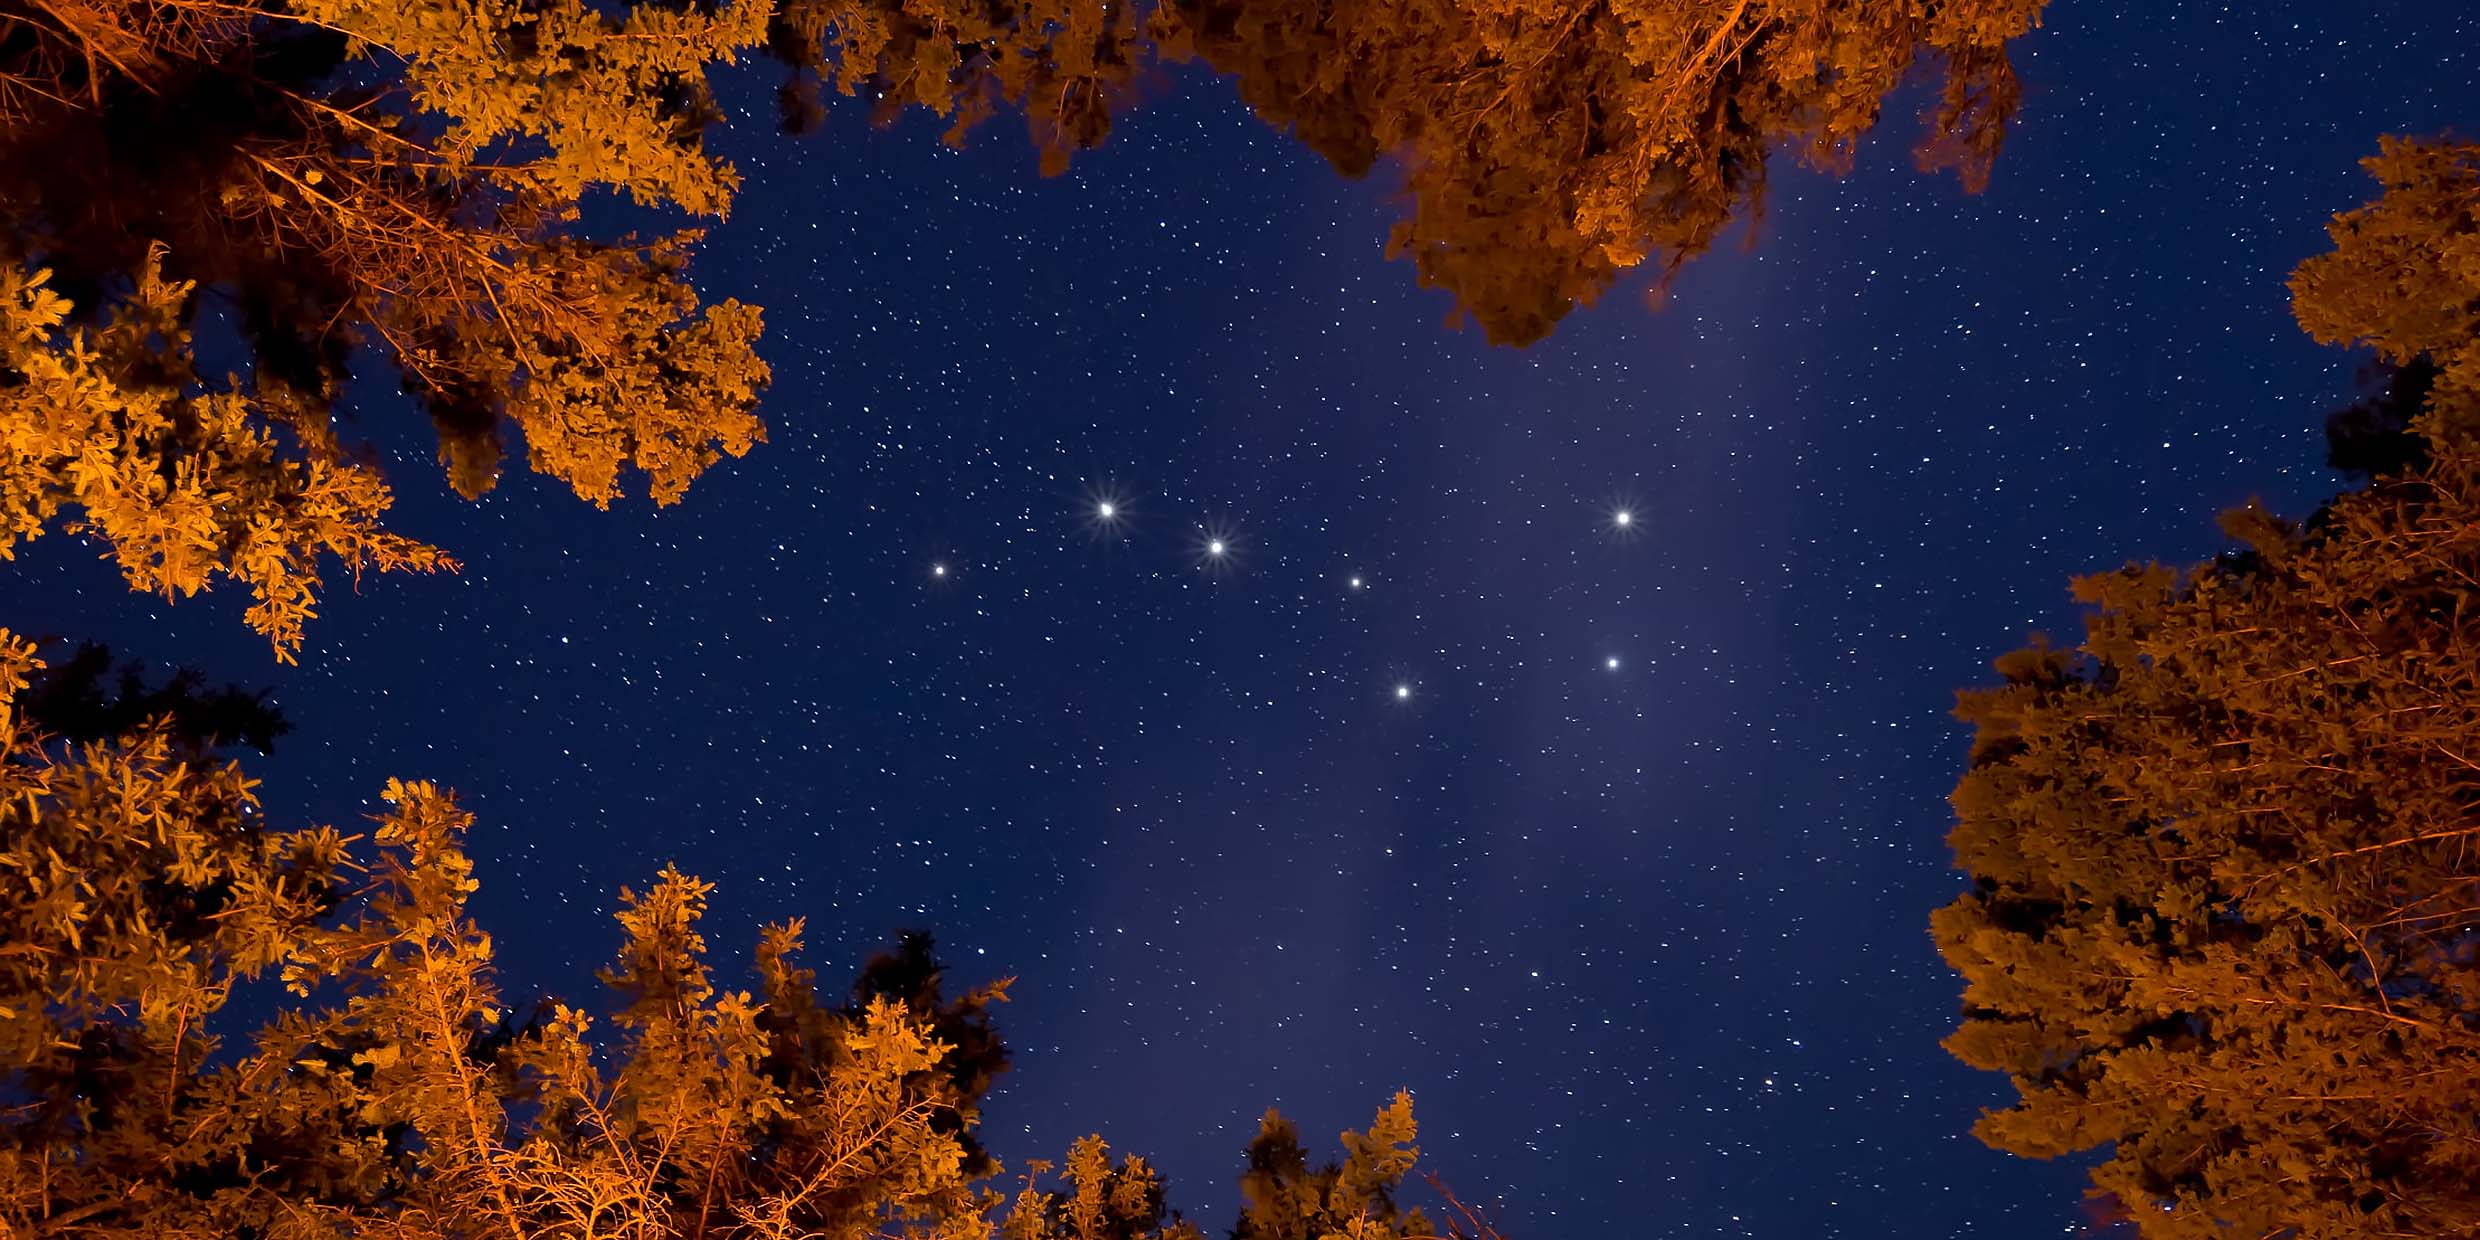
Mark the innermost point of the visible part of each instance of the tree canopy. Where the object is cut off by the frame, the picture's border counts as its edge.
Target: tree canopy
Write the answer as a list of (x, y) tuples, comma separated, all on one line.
[(1545, 147), (2223, 919), (217, 214), (2404, 274), (395, 1092), (291, 189)]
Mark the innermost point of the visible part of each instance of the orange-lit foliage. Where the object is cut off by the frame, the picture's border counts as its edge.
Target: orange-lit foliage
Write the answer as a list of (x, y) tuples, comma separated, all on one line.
[(2226, 912), (1060, 61), (1546, 146), (183, 485), (333, 179), (392, 1094), (2404, 274)]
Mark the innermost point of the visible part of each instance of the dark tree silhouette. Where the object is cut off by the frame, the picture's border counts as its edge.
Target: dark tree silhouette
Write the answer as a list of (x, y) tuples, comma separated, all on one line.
[(88, 697), (2373, 435)]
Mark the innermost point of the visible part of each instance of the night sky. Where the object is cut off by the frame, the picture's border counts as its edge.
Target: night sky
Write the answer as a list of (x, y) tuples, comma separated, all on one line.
[(1615, 845)]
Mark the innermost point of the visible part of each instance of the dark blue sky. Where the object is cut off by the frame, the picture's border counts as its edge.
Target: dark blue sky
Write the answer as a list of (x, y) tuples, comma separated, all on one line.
[(1647, 941)]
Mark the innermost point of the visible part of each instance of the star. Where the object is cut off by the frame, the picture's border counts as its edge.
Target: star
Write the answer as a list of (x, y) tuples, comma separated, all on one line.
[(1612, 663), (1355, 583), (1403, 693), (1221, 547), (1619, 523), (1107, 513), (938, 570)]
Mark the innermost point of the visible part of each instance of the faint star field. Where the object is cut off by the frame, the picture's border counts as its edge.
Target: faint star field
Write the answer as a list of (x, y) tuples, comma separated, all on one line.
[(1142, 590)]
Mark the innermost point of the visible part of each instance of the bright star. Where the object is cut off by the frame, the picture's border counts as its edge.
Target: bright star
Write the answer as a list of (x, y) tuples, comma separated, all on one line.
[(1356, 583), (1612, 663), (1107, 512), (1403, 692), (1618, 514), (1221, 547)]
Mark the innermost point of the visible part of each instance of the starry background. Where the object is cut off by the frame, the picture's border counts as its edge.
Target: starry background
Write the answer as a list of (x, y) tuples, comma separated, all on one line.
[(1616, 846)]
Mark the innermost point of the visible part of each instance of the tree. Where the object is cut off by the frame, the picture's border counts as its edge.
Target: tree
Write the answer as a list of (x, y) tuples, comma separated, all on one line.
[(69, 701), (2225, 910), (1061, 61), (301, 189), (306, 185), (1545, 147), (395, 1093), (2404, 274)]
